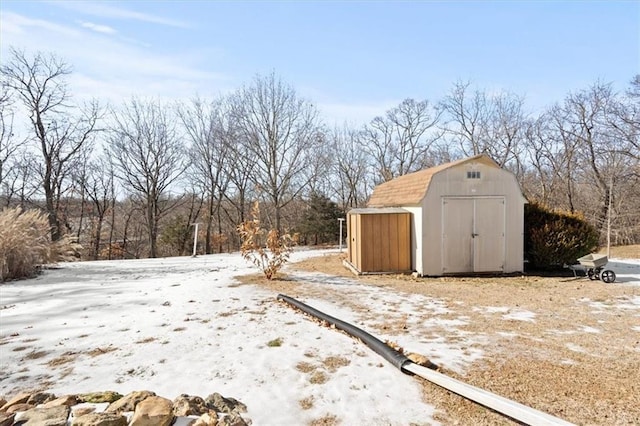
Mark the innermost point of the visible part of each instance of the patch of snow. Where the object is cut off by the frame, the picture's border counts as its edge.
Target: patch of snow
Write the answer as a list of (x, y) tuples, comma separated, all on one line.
[(587, 329), (636, 328), (575, 348), (184, 325), (520, 315)]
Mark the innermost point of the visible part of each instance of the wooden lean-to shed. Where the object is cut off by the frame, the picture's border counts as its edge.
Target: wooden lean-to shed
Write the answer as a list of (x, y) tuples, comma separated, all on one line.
[(466, 216), (379, 240)]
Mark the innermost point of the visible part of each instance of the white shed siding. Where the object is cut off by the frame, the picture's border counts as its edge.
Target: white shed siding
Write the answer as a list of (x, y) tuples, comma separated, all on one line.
[(453, 182), (416, 236)]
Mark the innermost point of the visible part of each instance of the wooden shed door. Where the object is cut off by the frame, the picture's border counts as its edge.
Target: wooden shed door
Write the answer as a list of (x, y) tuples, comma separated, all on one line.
[(472, 235)]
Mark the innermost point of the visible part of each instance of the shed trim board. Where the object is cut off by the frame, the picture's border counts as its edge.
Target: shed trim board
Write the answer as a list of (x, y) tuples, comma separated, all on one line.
[(469, 241)]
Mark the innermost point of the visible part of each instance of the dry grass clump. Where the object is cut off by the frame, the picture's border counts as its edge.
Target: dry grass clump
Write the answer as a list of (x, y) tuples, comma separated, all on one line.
[(24, 243)]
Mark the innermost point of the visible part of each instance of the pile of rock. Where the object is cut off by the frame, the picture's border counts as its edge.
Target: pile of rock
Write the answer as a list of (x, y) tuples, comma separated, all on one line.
[(141, 408)]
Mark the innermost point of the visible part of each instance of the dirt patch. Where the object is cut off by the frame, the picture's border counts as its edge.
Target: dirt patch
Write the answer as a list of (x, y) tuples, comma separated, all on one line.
[(306, 403), (559, 344), (334, 362), (35, 355), (101, 351), (624, 252), (65, 358), (328, 420), (305, 367), (318, 377)]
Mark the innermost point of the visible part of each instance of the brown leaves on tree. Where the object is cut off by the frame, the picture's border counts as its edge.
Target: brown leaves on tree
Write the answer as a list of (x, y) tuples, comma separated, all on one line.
[(266, 249)]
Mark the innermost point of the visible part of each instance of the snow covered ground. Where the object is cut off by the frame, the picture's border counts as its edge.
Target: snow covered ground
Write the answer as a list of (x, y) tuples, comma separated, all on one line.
[(184, 326)]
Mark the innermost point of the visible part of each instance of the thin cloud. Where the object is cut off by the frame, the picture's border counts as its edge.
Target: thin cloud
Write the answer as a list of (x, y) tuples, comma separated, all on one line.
[(104, 10), (104, 29)]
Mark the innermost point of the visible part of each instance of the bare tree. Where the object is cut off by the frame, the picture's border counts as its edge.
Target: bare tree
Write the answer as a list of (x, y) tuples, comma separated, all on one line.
[(97, 183), (210, 132), (467, 118), (350, 168), (149, 158), (402, 140), (479, 123), (60, 130), (8, 145), (280, 130)]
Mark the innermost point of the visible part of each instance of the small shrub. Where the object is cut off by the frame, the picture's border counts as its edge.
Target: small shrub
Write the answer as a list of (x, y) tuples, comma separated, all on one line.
[(555, 238), (275, 343), (268, 250), (24, 243)]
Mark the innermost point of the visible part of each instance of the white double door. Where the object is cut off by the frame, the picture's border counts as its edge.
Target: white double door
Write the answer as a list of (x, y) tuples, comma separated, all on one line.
[(473, 234)]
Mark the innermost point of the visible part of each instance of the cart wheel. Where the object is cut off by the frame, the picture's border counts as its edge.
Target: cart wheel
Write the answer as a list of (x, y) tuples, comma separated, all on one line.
[(608, 276), (592, 274)]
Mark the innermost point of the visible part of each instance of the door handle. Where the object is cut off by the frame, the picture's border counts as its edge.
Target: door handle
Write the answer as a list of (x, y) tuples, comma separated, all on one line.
[(474, 235)]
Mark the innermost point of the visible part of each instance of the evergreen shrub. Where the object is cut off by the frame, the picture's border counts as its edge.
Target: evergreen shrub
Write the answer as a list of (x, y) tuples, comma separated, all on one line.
[(554, 238)]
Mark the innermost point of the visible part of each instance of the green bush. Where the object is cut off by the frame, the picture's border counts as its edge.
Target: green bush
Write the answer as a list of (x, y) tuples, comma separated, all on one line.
[(555, 238)]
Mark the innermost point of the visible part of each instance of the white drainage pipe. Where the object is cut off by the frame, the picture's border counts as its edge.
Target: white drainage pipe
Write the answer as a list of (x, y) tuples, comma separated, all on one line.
[(513, 409)]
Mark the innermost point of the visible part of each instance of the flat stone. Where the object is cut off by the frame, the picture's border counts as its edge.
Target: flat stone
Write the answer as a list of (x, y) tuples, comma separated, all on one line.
[(21, 398), (20, 407), (53, 416), (6, 419), (66, 401), (129, 401), (40, 398), (186, 405), (207, 419), (100, 419), (153, 411), (107, 396)]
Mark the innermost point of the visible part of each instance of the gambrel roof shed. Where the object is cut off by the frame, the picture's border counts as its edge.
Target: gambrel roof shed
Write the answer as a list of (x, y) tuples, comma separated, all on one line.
[(466, 216)]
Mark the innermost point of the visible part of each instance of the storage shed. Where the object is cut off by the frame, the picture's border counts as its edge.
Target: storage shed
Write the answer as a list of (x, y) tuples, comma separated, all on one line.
[(379, 240), (466, 217)]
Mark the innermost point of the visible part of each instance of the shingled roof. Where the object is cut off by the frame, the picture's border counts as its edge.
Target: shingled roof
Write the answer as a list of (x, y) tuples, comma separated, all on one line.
[(411, 188)]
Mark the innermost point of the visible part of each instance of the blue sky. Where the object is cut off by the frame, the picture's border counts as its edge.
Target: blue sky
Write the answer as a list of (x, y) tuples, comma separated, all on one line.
[(354, 59)]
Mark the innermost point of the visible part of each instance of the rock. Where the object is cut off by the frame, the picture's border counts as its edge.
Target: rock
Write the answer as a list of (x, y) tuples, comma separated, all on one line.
[(82, 411), (97, 397), (67, 400), (225, 405), (186, 405), (20, 407), (153, 411), (40, 398), (21, 398), (2, 402), (232, 420), (100, 419), (129, 402), (54, 416), (6, 419), (207, 419)]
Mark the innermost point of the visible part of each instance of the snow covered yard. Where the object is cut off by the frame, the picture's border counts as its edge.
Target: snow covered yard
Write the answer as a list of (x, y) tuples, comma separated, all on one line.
[(185, 325)]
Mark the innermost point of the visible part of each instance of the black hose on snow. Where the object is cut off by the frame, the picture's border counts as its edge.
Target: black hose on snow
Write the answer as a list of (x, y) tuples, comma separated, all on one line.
[(378, 346)]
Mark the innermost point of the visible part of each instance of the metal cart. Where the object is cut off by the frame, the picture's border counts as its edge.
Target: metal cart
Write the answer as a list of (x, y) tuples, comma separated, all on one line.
[(593, 265)]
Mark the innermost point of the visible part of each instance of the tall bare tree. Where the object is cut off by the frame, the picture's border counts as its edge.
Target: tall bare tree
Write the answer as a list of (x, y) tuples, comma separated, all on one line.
[(211, 133), (98, 186), (481, 123), (401, 141), (8, 145), (149, 158), (281, 130), (350, 168), (60, 130)]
